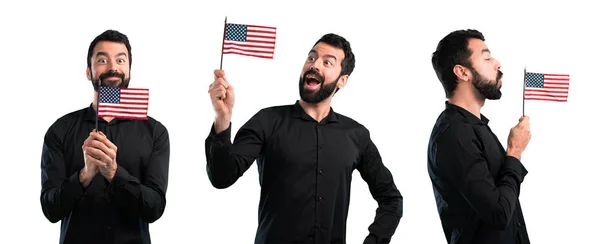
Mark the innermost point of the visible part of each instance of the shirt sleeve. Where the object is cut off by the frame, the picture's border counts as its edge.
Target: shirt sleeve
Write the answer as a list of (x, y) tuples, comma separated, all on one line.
[(226, 161), (145, 196), (460, 157), (60, 191), (383, 189)]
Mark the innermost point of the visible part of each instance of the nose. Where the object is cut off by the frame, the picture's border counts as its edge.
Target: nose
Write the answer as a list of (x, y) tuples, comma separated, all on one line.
[(498, 65), (315, 66), (112, 65)]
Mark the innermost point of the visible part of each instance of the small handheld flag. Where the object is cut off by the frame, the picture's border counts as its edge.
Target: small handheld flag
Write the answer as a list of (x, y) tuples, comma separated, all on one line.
[(248, 40), (546, 87), (131, 103)]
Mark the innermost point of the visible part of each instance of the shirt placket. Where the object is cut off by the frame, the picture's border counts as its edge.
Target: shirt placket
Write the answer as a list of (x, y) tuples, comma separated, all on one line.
[(318, 194)]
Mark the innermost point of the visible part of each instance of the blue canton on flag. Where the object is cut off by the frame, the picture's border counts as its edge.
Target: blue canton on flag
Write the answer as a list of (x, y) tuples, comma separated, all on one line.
[(236, 32), (110, 94), (534, 80)]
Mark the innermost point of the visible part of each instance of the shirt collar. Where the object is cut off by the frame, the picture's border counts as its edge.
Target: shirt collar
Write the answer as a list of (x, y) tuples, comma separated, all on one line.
[(468, 115), (298, 112)]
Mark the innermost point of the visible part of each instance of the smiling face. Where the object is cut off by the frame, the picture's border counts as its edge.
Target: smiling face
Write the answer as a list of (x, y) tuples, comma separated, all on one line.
[(320, 75), (109, 64)]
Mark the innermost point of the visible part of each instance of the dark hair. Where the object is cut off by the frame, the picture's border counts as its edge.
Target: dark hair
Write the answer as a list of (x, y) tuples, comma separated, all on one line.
[(341, 43), (112, 36), (452, 50)]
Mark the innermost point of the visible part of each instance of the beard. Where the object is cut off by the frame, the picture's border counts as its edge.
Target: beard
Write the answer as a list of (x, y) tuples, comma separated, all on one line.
[(488, 88), (324, 91), (124, 83)]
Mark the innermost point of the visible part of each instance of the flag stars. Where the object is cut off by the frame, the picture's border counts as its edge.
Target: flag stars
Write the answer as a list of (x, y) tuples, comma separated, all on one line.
[(236, 32), (109, 95), (534, 80)]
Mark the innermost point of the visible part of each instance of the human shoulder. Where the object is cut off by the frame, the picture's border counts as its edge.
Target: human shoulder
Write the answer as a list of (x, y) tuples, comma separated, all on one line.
[(68, 119), (452, 126), (61, 126), (278, 109), (276, 112), (157, 128), (351, 123)]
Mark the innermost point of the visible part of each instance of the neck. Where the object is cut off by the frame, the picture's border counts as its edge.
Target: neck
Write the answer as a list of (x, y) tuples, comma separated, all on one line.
[(468, 98), (95, 106), (318, 111)]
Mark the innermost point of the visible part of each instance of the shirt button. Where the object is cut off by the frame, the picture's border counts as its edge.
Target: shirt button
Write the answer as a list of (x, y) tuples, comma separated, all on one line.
[(320, 146), (108, 227), (519, 224), (319, 199), (321, 172), (318, 225)]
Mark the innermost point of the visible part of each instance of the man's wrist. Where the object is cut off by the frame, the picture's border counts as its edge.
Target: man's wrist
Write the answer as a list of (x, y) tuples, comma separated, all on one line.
[(514, 153), (85, 177), (222, 123)]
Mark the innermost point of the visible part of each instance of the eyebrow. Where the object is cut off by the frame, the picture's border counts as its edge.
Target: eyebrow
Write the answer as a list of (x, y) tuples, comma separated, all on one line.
[(486, 50), (326, 55), (106, 54)]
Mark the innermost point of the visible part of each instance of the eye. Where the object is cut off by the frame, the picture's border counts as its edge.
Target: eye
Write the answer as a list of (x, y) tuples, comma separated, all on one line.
[(101, 60), (121, 60), (328, 63)]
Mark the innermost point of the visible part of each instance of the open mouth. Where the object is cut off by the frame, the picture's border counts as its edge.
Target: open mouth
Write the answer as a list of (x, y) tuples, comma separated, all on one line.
[(312, 81)]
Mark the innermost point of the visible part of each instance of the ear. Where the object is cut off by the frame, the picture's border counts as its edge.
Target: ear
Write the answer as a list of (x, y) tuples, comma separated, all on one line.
[(462, 73), (88, 73), (342, 81)]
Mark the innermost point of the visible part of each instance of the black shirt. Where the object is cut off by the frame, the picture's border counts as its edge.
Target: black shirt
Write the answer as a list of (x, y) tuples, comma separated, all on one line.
[(476, 184), (105, 212), (305, 169)]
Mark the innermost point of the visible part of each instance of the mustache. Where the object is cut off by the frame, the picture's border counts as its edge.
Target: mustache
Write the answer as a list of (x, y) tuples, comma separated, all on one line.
[(112, 74), (315, 73)]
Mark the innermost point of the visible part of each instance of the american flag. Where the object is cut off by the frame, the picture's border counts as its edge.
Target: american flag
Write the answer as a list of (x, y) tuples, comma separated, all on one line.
[(249, 40), (131, 103), (547, 87)]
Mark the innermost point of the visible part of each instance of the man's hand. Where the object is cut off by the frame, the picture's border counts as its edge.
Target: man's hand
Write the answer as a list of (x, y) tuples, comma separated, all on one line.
[(100, 153), (519, 138), (222, 98)]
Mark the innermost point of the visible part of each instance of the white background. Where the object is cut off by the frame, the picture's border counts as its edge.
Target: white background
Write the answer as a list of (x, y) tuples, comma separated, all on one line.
[(393, 92)]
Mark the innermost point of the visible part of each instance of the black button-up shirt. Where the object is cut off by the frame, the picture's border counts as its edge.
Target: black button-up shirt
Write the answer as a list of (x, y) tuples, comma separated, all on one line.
[(305, 170), (476, 184), (105, 212)]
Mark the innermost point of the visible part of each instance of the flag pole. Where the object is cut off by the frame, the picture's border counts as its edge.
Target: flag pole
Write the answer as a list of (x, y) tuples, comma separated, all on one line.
[(223, 42), (98, 102), (524, 84)]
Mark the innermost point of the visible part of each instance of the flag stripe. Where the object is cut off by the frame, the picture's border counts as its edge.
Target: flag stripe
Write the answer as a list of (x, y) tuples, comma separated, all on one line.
[(250, 49), (242, 44), (262, 27), (548, 99), (126, 116), (546, 87), (249, 54), (132, 106), (267, 42)]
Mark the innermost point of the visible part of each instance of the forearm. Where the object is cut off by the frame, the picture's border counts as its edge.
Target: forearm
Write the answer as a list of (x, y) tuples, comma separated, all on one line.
[(59, 198), (147, 201), (221, 166), (508, 190), (387, 218)]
